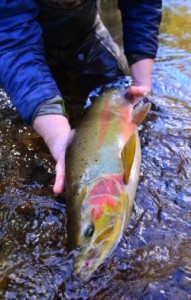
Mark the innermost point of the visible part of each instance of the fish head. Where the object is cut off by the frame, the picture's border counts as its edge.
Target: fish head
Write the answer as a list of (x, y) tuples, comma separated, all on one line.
[(103, 218)]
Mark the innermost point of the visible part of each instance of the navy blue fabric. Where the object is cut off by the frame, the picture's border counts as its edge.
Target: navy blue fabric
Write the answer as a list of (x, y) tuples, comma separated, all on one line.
[(23, 70), (141, 19), (24, 73)]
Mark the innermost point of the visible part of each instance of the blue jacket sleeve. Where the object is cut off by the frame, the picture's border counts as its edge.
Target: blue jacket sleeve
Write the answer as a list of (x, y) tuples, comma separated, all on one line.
[(141, 20), (24, 73)]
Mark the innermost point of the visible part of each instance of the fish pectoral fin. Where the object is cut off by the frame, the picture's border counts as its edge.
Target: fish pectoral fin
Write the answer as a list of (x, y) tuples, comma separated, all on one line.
[(128, 155), (140, 111)]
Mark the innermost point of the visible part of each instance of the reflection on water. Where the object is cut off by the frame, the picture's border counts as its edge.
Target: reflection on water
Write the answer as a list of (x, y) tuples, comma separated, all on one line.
[(153, 260), (176, 25)]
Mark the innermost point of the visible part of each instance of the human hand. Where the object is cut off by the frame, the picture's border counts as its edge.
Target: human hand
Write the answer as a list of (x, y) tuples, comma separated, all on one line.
[(141, 74), (56, 132)]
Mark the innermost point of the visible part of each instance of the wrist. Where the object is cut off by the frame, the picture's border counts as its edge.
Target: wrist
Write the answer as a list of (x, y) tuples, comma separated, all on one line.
[(141, 72), (52, 128)]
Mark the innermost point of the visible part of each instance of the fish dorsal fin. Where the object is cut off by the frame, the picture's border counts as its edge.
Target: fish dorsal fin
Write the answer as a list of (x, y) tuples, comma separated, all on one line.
[(127, 155), (140, 111)]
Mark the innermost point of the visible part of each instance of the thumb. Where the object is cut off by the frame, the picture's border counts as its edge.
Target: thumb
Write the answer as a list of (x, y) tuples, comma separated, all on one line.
[(60, 175), (60, 166)]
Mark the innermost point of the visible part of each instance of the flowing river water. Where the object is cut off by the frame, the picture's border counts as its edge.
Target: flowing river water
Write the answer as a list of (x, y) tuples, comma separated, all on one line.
[(153, 259)]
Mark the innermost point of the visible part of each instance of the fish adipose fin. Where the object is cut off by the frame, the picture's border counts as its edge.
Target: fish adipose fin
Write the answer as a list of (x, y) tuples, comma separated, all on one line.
[(141, 110), (127, 155)]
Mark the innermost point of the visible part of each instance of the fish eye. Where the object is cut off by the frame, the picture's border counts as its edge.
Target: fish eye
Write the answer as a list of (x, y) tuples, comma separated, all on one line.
[(89, 230)]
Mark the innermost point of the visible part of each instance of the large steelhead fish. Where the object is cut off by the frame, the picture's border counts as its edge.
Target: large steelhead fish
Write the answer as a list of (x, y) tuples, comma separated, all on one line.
[(102, 172)]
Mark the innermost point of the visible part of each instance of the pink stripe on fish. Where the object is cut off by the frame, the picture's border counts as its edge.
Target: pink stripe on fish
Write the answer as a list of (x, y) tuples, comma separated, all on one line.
[(104, 123)]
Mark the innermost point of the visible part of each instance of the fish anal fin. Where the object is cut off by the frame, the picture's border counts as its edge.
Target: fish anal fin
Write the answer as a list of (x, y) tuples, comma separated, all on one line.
[(140, 112), (128, 155)]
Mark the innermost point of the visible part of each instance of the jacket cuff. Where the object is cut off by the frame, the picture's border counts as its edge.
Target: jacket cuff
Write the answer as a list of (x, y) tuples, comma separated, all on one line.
[(52, 106), (133, 58)]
